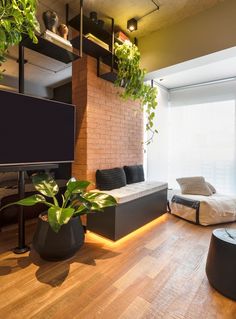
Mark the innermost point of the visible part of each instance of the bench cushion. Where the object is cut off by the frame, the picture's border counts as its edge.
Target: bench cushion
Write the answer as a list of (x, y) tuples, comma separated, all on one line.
[(137, 190), (134, 174), (107, 179)]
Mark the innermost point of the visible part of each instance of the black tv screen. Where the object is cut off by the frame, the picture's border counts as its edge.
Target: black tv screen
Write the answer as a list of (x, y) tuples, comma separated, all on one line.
[(34, 130)]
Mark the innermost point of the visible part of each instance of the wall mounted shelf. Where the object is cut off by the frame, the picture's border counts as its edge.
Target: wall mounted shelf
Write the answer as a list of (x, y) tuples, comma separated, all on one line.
[(51, 50), (95, 50), (90, 27), (91, 48), (109, 76)]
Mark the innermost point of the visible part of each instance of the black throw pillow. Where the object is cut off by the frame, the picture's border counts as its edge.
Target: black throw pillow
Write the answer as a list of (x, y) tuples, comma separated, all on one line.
[(134, 174), (107, 179)]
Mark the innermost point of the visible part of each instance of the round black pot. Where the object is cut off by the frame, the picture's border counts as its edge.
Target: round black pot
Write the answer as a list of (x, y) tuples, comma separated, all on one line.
[(58, 246)]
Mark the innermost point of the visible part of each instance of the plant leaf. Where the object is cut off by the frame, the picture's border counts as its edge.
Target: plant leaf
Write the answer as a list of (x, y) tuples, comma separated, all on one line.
[(31, 200), (74, 186), (28, 201), (58, 216), (102, 200), (45, 184)]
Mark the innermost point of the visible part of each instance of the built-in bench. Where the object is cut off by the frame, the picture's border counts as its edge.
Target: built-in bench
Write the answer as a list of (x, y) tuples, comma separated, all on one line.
[(138, 204)]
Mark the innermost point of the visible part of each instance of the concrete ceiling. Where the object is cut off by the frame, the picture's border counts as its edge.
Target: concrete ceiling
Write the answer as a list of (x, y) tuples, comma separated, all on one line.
[(47, 72), (171, 11)]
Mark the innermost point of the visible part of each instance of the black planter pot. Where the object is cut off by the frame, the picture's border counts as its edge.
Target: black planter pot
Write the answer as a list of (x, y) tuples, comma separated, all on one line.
[(58, 246)]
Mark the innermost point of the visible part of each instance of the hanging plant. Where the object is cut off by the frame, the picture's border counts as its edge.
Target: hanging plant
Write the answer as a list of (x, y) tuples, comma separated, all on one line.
[(131, 77), (17, 17)]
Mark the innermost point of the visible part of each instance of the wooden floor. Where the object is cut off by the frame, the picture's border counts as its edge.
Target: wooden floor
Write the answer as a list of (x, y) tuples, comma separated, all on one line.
[(156, 272)]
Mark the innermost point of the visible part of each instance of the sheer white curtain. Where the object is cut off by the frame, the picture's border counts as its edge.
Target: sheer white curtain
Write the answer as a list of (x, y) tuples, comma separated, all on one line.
[(202, 143), (197, 136)]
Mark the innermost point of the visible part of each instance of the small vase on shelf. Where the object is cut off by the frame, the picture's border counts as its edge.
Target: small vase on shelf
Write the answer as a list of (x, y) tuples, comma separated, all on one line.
[(50, 20)]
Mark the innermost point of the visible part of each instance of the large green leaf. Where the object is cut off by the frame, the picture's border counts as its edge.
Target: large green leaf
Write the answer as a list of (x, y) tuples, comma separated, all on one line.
[(28, 201), (102, 200), (31, 200), (45, 184), (74, 186), (58, 216)]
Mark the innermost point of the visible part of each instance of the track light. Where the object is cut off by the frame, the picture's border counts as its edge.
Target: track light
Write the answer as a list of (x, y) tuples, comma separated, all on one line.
[(132, 25)]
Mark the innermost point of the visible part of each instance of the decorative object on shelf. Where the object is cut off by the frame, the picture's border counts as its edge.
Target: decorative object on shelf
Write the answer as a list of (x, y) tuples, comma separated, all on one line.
[(50, 20), (57, 39), (101, 23), (96, 40), (131, 77), (16, 20), (122, 36), (93, 16), (59, 232), (63, 31)]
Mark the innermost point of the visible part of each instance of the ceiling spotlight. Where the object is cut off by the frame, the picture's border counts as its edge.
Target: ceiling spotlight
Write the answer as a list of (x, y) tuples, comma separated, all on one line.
[(132, 25)]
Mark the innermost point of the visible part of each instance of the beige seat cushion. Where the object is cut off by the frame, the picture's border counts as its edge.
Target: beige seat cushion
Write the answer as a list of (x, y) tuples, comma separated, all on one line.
[(194, 185)]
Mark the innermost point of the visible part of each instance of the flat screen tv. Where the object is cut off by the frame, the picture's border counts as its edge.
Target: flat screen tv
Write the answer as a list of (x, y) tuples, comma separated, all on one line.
[(34, 130)]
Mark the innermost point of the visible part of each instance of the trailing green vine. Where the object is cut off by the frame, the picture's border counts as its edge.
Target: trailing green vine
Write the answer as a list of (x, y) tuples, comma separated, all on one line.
[(17, 17), (131, 77)]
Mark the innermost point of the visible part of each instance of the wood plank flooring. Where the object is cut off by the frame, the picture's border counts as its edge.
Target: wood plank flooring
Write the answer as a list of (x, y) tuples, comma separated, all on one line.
[(157, 272)]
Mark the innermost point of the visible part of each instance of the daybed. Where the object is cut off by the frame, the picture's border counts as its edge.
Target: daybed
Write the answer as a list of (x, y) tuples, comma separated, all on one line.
[(204, 210), (139, 202)]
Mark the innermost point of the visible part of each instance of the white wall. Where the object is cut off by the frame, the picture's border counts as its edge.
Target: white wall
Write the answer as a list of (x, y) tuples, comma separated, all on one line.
[(157, 151)]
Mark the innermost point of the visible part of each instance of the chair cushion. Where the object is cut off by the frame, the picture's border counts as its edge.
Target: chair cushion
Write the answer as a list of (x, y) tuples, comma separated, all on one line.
[(194, 185), (107, 179), (134, 174)]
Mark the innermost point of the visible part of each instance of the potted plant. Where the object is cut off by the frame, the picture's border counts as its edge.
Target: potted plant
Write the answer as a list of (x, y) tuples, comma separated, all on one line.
[(59, 232), (17, 18), (131, 77)]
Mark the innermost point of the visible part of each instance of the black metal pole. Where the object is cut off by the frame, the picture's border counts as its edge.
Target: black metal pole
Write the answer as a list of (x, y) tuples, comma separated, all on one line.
[(112, 42), (21, 69), (81, 29), (67, 14), (22, 247)]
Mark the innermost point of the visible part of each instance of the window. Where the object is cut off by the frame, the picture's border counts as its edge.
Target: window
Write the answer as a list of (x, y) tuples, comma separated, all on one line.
[(202, 143)]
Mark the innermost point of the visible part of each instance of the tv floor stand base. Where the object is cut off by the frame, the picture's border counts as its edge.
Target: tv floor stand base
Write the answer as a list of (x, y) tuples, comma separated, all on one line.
[(22, 247)]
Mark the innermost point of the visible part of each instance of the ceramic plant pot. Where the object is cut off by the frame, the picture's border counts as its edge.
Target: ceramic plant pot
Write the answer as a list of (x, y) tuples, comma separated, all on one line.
[(58, 246)]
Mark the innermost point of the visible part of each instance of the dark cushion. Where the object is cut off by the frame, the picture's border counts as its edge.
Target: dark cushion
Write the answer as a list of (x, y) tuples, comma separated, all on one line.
[(134, 174), (107, 179)]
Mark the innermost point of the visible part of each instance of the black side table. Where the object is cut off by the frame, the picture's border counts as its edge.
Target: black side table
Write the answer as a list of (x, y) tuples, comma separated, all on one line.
[(221, 262), (22, 247)]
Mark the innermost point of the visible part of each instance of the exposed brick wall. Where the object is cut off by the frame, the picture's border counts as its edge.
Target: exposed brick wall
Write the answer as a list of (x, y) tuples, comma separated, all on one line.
[(109, 129)]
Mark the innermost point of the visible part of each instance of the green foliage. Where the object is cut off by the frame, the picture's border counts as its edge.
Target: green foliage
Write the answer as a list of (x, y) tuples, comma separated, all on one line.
[(75, 201), (17, 17), (131, 77)]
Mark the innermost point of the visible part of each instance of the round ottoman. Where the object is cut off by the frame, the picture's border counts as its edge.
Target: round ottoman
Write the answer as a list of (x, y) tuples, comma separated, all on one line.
[(221, 262)]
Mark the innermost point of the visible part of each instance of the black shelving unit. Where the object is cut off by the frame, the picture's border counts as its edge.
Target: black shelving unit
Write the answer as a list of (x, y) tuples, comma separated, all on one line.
[(90, 27), (109, 76), (51, 50), (93, 49)]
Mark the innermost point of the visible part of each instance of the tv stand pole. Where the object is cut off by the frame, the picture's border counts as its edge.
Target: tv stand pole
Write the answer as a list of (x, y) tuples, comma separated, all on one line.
[(21, 170), (22, 247)]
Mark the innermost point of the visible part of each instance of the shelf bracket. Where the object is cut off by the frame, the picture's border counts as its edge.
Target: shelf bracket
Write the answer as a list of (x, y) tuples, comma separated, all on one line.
[(81, 29)]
